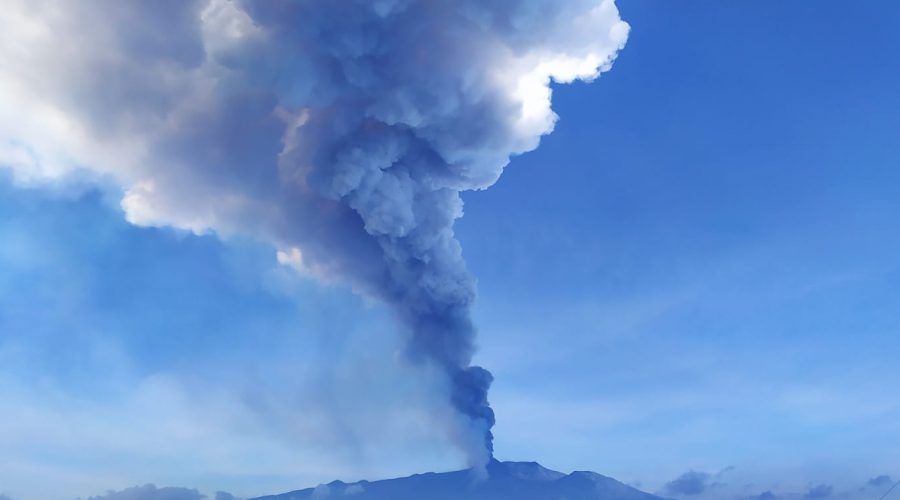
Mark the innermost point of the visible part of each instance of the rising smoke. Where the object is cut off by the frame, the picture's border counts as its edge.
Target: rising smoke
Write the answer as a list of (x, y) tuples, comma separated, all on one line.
[(340, 131)]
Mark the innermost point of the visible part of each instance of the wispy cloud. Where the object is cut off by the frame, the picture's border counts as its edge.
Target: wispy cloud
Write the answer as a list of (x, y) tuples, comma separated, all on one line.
[(151, 492)]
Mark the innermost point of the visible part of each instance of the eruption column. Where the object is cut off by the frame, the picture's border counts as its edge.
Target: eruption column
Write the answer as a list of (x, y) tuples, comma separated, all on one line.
[(341, 131)]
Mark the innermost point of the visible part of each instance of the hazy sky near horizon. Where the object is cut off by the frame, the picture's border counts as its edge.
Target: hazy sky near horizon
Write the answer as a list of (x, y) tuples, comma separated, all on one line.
[(696, 271)]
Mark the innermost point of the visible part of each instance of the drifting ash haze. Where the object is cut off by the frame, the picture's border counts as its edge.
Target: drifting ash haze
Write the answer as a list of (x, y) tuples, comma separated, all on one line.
[(340, 131)]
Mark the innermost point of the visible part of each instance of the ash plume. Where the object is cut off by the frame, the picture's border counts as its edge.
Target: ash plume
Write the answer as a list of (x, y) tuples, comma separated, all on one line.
[(340, 131)]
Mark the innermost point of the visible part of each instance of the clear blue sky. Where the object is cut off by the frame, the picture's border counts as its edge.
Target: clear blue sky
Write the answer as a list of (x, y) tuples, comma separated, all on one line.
[(698, 270)]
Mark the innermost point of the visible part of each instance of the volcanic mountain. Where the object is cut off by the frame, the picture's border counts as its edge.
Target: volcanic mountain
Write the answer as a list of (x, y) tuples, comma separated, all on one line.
[(504, 481)]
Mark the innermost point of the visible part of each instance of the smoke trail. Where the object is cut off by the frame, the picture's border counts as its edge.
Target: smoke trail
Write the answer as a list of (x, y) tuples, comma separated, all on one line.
[(341, 131)]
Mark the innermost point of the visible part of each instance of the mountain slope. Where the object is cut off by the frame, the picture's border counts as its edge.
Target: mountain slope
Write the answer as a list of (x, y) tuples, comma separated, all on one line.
[(504, 481)]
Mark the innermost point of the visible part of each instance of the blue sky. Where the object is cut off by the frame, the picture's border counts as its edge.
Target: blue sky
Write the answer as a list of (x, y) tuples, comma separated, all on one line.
[(697, 270), (701, 262)]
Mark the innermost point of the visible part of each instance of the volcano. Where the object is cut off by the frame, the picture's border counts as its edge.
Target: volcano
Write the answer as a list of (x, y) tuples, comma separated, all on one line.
[(503, 481)]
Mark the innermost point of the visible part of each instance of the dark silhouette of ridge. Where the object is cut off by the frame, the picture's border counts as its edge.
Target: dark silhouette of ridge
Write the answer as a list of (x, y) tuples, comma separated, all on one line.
[(503, 481)]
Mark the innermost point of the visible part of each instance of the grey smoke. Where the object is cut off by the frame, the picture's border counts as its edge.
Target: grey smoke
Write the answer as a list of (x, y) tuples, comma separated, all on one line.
[(341, 132)]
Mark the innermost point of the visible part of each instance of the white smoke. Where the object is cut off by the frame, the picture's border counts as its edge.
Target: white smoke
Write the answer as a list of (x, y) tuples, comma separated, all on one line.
[(340, 131)]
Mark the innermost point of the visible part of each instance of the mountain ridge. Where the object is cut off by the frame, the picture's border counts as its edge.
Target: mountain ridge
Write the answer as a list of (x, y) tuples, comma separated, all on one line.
[(499, 481)]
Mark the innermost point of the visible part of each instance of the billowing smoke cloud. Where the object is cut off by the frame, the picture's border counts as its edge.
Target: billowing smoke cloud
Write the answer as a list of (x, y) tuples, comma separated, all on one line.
[(341, 131)]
